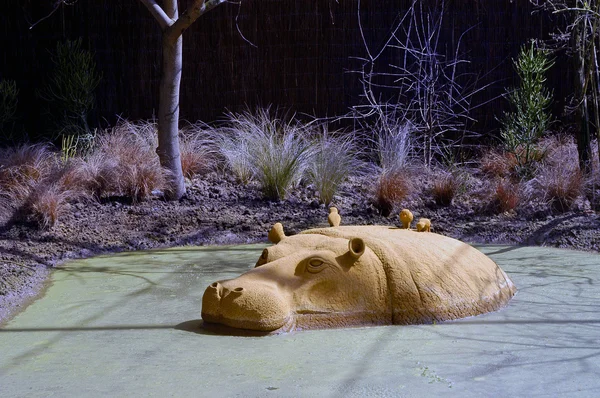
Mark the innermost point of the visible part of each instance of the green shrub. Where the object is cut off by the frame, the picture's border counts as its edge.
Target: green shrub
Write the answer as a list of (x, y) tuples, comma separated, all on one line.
[(522, 127), (69, 93)]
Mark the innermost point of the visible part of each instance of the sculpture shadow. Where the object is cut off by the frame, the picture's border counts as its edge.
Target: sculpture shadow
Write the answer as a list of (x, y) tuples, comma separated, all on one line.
[(198, 326)]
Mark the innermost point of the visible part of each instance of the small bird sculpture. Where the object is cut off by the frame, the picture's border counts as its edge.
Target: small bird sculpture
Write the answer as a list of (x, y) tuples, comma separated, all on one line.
[(406, 218), (334, 217)]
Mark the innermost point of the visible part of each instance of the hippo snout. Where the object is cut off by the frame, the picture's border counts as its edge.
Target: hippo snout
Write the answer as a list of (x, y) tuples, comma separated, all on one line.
[(256, 306)]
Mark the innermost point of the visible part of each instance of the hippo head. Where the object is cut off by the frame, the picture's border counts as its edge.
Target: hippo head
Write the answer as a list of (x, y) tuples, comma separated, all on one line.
[(302, 282)]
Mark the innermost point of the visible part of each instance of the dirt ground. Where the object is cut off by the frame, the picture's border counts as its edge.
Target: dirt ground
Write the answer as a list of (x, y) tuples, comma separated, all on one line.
[(218, 211)]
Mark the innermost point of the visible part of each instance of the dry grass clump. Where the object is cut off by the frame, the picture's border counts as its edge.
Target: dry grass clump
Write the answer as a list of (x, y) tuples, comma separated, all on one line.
[(521, 163), (445, 187), (234, 150), (35, 186), (271, 150), (46, 204), (26, 172), (498, 163), (22, 167), (558, 178), (562, 187), (95, 175), (560, 150), (197, 151), (392, 188), (124, 163), (394, 145), (334, 159), (506, 195)]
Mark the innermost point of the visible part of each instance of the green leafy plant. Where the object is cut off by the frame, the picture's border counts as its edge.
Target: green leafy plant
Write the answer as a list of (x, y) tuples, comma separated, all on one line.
[(530, 117), (68, 147), (69, 93)]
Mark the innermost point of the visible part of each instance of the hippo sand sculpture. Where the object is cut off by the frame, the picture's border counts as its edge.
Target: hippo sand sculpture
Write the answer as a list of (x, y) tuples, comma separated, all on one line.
[(358, 275)]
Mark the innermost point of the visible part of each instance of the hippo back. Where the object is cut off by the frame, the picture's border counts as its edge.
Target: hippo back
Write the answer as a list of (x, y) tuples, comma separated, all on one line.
[(431, 277)]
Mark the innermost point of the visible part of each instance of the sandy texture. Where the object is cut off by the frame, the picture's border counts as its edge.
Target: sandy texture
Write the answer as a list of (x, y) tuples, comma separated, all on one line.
[(359, 275)]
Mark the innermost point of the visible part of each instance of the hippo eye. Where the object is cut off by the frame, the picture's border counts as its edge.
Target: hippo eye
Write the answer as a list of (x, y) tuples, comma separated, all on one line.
[(315, 265)]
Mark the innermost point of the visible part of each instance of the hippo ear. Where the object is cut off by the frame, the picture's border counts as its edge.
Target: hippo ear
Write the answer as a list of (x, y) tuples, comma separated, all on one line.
[(276, 234), (356, 247)]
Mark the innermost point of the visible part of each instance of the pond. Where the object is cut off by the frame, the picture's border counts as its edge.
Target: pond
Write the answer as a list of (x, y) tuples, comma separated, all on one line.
[(126, 325)]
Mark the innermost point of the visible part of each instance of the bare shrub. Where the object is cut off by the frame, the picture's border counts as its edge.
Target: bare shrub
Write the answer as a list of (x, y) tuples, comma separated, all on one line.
[(409, 77), (392, 188)]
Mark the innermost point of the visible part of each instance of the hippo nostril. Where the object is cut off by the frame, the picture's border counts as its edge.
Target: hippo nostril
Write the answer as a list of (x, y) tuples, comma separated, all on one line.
[(217, 288)]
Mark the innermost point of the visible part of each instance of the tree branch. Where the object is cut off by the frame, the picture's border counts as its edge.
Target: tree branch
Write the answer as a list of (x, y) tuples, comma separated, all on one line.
[(158, 13), (57, 5), (197, 9)]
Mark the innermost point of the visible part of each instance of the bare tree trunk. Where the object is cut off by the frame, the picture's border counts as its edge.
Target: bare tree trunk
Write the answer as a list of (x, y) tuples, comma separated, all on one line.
[(581, 112), (168, 108), (173, 27)]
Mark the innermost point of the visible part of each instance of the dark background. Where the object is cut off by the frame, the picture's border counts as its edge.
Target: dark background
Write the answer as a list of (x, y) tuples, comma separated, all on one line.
[(305, 51)]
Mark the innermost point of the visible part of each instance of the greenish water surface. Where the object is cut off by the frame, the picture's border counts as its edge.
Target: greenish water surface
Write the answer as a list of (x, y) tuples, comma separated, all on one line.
[(122, 326)]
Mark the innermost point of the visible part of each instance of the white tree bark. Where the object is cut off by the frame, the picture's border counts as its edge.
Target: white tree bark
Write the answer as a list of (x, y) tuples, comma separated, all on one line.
[(172, 26)]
